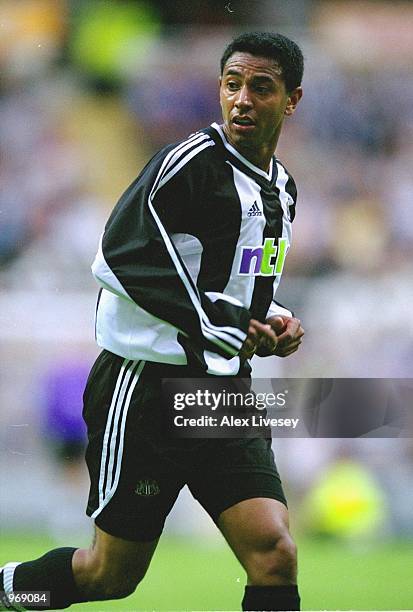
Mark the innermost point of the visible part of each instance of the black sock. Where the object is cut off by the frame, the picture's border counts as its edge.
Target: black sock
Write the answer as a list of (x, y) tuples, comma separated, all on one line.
[(271, 598), (52, 573)]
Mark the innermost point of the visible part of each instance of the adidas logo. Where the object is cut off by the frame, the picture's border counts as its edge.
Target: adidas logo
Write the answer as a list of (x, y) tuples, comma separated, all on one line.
[(254, 211)]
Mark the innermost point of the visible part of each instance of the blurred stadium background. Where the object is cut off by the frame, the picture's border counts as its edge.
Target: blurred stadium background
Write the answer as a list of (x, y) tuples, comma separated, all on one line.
[(89, 90)]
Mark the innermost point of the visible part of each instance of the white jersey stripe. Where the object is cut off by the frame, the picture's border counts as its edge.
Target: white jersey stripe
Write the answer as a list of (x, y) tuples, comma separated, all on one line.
[(251, 232)]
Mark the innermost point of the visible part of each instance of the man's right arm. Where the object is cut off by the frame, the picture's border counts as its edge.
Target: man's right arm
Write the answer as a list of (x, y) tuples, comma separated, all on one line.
[(138, 260)]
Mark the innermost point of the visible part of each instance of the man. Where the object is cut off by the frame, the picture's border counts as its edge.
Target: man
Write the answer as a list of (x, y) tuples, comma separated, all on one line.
[(188, 264)]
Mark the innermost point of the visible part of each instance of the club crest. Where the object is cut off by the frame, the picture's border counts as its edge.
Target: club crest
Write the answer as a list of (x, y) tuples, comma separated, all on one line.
[(147, 488)]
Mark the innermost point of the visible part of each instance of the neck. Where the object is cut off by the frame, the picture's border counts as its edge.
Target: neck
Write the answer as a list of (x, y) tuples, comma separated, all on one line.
[(259, 157)]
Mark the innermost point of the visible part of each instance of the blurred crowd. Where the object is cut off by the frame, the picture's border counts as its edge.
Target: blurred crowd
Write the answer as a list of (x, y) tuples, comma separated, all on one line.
[(90, 89)]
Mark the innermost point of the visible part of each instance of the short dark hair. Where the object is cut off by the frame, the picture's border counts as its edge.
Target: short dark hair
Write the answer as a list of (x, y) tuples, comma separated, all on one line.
[(276, 46)]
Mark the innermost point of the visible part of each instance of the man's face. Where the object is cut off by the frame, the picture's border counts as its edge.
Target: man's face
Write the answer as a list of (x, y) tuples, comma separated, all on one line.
[(254, 102)]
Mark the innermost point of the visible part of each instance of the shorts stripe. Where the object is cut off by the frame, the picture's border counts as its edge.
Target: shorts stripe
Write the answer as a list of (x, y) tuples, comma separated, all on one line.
[(113, 441), (114, 428), (103, 471)]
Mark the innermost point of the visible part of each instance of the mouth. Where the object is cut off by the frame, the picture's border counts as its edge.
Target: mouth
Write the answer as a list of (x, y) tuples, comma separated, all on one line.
[(243, 123)]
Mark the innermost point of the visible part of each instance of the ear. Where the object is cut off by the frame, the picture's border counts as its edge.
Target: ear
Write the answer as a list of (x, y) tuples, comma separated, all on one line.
[(293, 99), (220, 91)]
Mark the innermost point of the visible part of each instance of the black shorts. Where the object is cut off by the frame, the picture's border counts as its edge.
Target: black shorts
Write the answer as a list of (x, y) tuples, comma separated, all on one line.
[(136, 471)]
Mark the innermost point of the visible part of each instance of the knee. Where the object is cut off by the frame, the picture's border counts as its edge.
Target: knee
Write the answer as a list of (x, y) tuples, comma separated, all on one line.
[(273, 561)]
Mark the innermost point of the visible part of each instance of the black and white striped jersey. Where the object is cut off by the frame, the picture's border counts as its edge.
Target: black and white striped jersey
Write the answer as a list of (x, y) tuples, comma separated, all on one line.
[(194, 248)]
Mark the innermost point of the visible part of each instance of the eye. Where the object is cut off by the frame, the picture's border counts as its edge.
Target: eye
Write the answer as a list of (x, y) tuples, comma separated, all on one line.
[(261, 89), (232, 85)]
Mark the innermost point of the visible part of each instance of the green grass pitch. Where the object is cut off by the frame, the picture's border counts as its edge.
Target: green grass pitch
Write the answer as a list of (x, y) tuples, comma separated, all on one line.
[(192, 574)]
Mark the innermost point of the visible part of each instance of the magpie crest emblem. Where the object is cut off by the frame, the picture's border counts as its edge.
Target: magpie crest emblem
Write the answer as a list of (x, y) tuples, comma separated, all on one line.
[(147, 488)]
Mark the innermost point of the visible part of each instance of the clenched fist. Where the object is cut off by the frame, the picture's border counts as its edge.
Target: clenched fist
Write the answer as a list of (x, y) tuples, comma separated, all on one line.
[(259, 335), (289, 333)]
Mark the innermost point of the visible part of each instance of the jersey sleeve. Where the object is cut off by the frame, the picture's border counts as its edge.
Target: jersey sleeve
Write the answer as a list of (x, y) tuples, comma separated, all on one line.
[(278, 309), (137, 259)]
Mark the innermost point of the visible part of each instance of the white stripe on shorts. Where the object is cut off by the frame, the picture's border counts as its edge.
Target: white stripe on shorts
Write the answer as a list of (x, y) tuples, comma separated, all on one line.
[(111, 460)]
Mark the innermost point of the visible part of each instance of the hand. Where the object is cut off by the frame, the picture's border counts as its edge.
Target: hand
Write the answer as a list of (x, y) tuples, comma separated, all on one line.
[(259, 334), (289, 336)]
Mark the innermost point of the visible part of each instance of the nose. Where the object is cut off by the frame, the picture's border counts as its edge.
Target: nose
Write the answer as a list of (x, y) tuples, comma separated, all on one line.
[(243, 100)]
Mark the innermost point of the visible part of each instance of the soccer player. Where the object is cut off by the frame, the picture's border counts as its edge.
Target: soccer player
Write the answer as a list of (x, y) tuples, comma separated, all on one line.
[(188, 266)]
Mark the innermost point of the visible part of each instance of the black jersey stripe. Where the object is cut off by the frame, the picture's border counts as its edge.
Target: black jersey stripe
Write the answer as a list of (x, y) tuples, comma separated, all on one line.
[(278, 225)]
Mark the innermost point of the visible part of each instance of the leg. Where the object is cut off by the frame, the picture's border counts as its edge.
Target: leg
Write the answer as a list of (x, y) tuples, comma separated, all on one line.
[(238, 484), (257, 532), (112, 567), (133, 487)]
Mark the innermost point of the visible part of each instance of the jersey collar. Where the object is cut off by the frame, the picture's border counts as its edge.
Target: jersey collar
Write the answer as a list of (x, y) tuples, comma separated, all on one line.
[(244, 160)]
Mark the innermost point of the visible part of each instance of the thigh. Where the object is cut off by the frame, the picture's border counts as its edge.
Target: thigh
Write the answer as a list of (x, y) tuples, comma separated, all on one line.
[(232, 471), (133, 483)]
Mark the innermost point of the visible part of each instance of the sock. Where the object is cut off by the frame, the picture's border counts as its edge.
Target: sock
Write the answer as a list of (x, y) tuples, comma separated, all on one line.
[(53, 573), (271, 598)]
